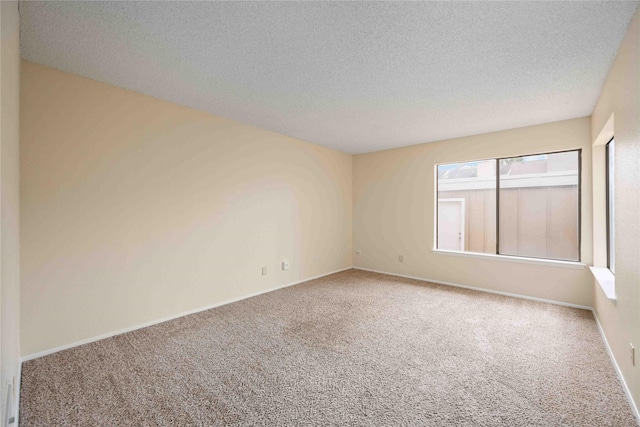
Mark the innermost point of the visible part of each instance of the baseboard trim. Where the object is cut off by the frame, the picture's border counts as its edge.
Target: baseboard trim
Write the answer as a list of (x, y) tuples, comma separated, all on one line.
[(627, 392), (171, 317), (473, 288), (18, 388)]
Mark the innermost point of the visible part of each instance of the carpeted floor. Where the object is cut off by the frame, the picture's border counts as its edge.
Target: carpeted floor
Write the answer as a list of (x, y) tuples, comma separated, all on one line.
[(354, 348)]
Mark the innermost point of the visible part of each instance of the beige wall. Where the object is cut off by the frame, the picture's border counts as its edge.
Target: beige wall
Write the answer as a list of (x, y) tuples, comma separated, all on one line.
[(9, 203), (134, 209), (621, 97), (393, 213)]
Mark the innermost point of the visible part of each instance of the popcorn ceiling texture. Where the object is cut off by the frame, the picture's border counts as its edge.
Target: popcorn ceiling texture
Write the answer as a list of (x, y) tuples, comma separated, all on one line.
[(354, 348), (357, 76)]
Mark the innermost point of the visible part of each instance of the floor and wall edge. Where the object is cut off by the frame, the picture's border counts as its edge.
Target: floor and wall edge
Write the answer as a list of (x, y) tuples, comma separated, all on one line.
[(625, 388), (18, 388), (473, 288), (172, 317), (627, 392)]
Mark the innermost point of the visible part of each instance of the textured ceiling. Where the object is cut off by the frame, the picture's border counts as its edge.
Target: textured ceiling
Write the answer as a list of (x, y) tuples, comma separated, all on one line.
[(354, 76)]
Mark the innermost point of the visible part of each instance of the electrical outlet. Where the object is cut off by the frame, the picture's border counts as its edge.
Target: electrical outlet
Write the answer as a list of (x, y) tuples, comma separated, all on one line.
[(632, 354), (285, 265), (401, 258), (264, 271), (358, 252)]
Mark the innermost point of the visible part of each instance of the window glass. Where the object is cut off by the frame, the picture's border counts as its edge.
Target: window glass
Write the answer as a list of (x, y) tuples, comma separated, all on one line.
[(611, 253), (531, 208), (467, 206), (539, 206)]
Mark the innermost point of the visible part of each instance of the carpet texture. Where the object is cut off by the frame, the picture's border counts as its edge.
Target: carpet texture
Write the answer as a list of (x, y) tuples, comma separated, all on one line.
[(354, 348)]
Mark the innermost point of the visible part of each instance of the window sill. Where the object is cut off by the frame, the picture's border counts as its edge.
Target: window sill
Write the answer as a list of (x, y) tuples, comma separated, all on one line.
[(508, 258), (607, 281)]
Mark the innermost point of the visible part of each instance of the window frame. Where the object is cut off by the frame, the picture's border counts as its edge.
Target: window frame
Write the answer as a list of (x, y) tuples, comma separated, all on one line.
[(608, 203), (497, 190)]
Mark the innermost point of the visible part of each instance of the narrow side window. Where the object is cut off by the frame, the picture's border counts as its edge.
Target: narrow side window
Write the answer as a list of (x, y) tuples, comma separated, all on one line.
[(611, 235)]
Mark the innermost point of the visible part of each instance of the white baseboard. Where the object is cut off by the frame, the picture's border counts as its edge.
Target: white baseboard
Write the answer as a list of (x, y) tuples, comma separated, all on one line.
[(473, 288), (16, 404), (171, 317), (627, 392)]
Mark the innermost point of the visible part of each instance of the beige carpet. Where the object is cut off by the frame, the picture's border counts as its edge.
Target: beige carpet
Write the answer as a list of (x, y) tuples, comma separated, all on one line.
[(354, 348)]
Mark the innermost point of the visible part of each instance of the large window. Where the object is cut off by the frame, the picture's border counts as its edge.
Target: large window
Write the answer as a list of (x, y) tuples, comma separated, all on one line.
[(525, 206), (611, 247)]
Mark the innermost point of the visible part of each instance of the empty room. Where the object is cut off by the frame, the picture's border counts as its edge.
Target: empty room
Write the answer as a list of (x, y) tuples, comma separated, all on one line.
[(314, 213)]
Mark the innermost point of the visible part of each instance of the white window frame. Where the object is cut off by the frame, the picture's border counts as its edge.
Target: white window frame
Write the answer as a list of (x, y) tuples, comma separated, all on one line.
[(604, 278), (497, 254), (610, 201)]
